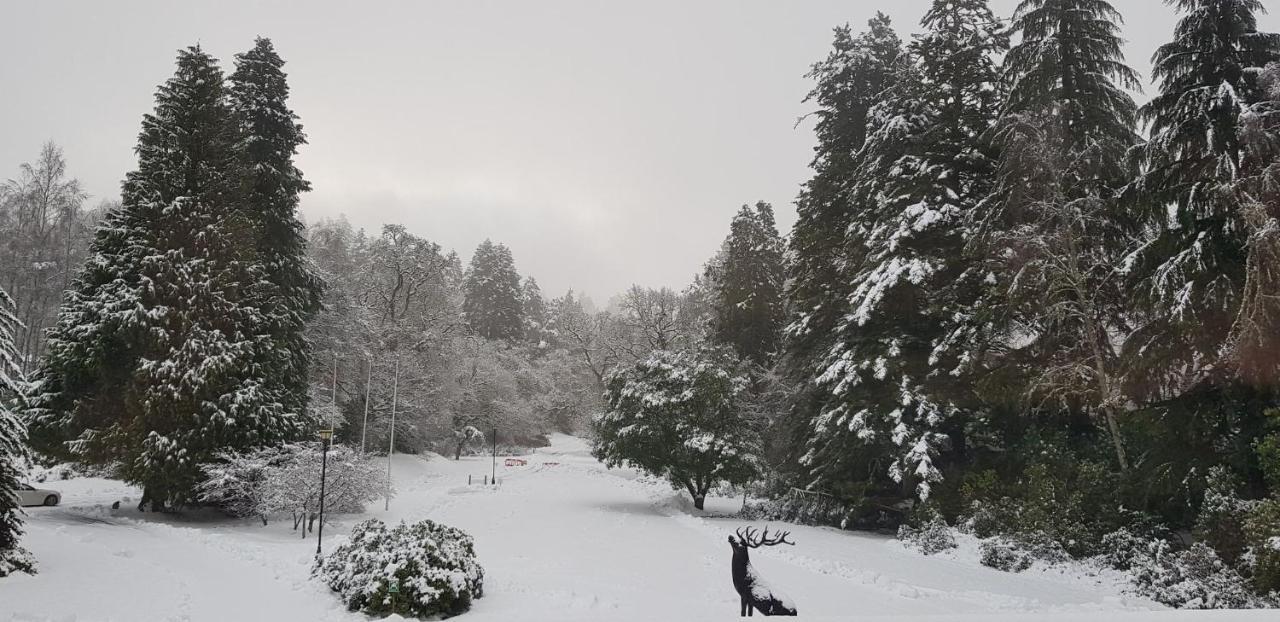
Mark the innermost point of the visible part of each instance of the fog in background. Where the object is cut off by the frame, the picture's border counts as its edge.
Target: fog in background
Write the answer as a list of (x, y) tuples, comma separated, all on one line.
[(584, 135)]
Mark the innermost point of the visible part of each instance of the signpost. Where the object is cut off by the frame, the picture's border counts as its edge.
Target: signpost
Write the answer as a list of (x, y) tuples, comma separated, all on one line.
[(326, 436)]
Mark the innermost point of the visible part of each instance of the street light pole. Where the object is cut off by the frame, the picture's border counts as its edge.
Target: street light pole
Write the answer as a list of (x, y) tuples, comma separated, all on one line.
[(391, 448), (368, 388), (325, 436)]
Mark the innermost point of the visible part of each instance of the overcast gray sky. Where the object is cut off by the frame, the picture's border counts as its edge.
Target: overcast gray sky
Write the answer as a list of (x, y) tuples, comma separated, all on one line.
[(606, 143)]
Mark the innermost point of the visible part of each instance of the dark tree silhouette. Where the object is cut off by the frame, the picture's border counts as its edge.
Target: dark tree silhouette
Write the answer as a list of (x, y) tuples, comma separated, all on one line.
[(755, 592)]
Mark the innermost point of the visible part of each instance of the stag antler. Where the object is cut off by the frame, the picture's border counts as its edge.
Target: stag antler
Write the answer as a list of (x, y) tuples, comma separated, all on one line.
[(747, 536)]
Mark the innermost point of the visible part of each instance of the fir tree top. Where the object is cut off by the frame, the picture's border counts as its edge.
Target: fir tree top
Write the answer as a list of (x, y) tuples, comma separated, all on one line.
[(1069, 62)]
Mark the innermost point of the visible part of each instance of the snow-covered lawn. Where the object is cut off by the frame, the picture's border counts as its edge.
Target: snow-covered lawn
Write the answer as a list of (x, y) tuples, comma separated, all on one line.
[(557, 541)]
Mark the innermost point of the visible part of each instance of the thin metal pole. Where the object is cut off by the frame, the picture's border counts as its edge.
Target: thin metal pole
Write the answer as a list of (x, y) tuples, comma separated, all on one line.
[(494, 476), (368, 389), (324, 467), (391, 448), (334, 399)]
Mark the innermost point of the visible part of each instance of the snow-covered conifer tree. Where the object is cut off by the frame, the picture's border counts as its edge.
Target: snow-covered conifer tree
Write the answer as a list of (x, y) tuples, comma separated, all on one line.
[(492, 303), (13, 447), (889, 390), (848, 83), (268, 138), (1190, 273), (746, 282), (159, 359), (535, 313)]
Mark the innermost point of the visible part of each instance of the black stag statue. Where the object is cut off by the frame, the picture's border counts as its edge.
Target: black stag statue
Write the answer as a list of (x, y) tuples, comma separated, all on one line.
[(755, 592)]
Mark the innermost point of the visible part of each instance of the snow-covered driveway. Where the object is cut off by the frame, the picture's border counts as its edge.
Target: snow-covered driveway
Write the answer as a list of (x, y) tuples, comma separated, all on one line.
[(562, 538)]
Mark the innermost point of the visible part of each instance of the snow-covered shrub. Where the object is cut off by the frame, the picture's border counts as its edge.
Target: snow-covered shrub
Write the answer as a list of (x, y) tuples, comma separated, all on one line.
[(799, 508), (1196, 578), (419, 570), (287, 479), (931, 537), (1015, 553), (1123, 549), (465, 436), (1220, 523), (16, 559), (1072, 502), (1262, 533)]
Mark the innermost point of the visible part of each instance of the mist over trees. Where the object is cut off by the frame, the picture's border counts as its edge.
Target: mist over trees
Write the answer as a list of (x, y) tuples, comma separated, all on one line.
[(1013, 300)]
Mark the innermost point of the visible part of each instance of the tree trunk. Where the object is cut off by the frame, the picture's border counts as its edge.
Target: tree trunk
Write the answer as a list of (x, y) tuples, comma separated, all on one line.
[(1114, 428), (146, 497), (698, 501)]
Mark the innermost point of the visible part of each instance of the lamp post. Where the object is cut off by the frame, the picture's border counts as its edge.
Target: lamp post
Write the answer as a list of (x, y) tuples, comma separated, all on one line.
[(368, 389), (391, 447), (326, 435)]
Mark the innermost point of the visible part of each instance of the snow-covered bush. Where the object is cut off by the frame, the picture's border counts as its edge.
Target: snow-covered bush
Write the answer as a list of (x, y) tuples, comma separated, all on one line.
[(1262, 534), (287, 479), (1196, 578), (1015, 553), (1222, 517), (800, 508), (465, 436), (419, 570), (933, 536)]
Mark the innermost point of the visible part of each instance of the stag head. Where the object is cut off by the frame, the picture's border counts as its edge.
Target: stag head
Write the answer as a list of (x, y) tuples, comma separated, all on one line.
[(749, 538)]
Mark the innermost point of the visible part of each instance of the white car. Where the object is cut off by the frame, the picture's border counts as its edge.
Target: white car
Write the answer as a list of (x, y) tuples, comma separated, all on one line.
[(28, 495)]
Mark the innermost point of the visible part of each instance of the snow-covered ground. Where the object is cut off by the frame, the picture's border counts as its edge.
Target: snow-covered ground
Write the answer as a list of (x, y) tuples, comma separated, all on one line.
[(561, 538)]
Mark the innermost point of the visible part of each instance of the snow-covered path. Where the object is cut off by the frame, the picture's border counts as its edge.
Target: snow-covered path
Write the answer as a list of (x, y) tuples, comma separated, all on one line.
[(562, 538)]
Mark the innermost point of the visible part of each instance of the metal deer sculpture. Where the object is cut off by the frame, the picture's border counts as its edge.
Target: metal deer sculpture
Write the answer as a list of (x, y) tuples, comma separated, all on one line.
[(755, 592)]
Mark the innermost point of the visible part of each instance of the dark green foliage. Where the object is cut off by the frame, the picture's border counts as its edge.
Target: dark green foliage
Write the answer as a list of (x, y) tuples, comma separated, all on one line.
[(1223, 514), (1192, 270), (678, 416), (419, 571), (13, 447), (268, 139), (889, 401), (1262, 533), (492, 303), (1068, 63), (848, 83), (746, 279), (159, 359)]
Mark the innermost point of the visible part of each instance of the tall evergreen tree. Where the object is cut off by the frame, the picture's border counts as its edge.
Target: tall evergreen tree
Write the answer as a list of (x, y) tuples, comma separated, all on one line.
[(1068, 63), (848, 82), (924, 168), (492, 296), (1191, 271), (534, 309), (269, 137), (159, 359), (13, 447), (747, 282), (1029, 339)]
